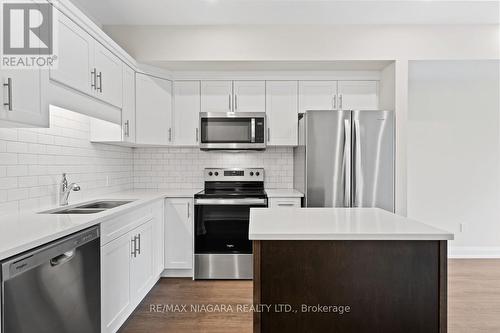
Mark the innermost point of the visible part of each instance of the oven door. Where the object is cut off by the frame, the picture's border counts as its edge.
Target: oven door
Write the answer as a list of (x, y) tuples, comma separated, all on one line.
[(222, 247), (222, 225), (226, 131)]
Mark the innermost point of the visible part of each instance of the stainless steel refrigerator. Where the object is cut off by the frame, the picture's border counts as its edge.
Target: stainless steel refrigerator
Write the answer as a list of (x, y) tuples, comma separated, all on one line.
[(346, 159)]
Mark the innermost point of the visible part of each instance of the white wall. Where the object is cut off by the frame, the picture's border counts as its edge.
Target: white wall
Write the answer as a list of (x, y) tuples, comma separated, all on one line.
[(307, 42), (32, 161), (454, 151), (183, 167)]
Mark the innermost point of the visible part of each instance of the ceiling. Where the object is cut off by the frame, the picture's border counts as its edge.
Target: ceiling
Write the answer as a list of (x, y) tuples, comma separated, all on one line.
[(222, 12)]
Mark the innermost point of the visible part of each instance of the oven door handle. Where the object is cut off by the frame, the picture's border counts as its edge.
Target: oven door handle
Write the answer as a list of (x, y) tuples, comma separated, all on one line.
[(245, 201)]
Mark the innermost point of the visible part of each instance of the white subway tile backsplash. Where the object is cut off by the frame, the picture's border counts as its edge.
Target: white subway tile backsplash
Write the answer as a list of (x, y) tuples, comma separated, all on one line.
[(183, 167), (32, 160)]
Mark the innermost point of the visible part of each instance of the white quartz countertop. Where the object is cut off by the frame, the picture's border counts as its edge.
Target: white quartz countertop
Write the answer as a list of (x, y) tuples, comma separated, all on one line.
[(284, 193), (338, 224), (21, 232)]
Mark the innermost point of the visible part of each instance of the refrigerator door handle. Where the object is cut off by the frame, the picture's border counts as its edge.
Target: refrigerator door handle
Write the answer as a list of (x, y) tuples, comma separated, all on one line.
[(357, 174), (346, 163)]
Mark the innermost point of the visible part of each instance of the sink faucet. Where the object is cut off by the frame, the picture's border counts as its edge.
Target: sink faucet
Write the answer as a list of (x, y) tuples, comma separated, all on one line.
[(65, 190)]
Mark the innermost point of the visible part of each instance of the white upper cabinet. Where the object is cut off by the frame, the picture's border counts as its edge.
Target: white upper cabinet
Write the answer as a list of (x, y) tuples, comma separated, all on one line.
[(249, 96), (75, 58), (318, 95), (187, 101), (216, 96), (358, 95), (23, 98), (87, 66), (108, 78), (178, 234), (153, 110), (281, 112), (128, 105)]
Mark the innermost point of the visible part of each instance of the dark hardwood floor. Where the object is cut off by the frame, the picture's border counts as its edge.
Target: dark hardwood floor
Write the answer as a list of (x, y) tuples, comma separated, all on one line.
[(186, 291), (473, 303)]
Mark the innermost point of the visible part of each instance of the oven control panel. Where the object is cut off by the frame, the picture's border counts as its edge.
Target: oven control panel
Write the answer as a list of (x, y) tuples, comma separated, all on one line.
[(234, 174)]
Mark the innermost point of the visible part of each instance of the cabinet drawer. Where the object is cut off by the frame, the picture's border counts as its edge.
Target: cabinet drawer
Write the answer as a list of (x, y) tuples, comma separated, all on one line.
[(285, 202), (120, 225)]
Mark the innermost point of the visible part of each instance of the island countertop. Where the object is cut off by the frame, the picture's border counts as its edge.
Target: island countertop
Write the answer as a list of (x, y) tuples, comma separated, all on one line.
[(338, 224)]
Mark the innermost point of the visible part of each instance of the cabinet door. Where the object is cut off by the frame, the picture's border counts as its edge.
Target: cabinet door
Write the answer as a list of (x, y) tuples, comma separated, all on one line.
[(281, 112), (22, 98), (141, 267), (216, 96), (128, 107), (153, 110), (317, 95), (186, 112), (178, 234), (158, 237), (249, 96), (358, 95), (115, 283), (109, 76), (75, 58)]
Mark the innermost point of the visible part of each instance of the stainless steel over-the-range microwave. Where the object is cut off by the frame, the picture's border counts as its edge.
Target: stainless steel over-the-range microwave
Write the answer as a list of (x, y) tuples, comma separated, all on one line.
[(233, 131)]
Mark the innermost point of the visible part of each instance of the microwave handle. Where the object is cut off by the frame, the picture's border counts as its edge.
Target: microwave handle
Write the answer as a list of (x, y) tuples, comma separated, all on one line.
[(252, 139)]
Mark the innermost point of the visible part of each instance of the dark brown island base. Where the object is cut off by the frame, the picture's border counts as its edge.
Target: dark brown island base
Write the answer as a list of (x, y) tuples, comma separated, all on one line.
[(347, 270)]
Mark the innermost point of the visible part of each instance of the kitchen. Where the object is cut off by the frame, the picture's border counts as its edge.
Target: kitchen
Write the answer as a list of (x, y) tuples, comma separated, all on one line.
[(174, 130)]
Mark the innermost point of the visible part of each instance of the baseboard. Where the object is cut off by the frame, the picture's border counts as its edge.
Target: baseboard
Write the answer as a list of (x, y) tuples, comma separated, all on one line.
[(473, 252), (177, 273)]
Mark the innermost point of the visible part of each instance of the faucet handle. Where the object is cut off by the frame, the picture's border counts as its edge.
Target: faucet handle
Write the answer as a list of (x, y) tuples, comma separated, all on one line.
[(76, 188)]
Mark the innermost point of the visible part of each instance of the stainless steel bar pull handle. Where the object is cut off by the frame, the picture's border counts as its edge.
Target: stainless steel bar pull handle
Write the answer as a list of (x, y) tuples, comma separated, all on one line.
[(127, 133), (341, 101), (100, 82), (93, 78), (188, 210), (139, 244), (9, 94), (346, 163), (357, 181), (230, 103), (170, 134), (133, 246), (335, 102), (268, 134), (236, 102), (197, 135)]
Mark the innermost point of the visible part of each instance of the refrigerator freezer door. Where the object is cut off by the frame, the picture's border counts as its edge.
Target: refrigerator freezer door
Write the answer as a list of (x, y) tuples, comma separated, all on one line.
[(373, 159), (328, 159)]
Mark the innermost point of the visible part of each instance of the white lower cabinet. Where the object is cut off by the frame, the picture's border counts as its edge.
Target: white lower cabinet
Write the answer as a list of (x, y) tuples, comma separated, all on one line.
[(178, 233), (129, 262), (115, 288), (141, 266)]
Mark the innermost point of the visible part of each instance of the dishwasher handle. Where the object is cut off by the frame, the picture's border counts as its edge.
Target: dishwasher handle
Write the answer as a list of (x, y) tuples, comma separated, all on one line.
[(61, 259), (56, 252)]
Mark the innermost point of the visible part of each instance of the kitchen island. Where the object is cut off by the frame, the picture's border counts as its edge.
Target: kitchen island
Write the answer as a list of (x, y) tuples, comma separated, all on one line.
[(347, 270)]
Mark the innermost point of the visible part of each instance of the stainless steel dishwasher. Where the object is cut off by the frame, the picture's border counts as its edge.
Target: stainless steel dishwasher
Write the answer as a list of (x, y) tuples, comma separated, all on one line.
[(54, 288)]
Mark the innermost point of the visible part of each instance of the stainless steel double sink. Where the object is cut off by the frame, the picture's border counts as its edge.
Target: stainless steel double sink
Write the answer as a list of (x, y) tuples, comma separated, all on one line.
[(89, 207)]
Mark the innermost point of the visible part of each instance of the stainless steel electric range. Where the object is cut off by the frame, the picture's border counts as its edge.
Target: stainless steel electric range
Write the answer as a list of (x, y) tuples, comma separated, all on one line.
[(222, 209)]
